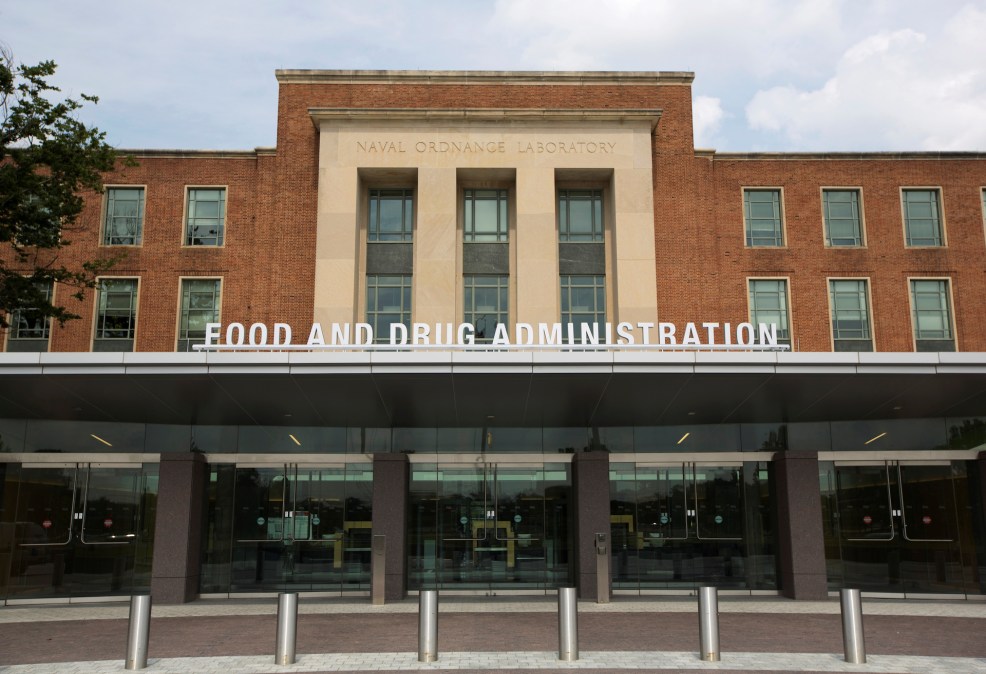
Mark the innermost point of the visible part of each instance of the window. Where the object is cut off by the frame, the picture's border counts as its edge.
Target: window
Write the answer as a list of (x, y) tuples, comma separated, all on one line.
[(931, 315), (922, 218), (984, 205), (850, 315), (116, 315), (391, 215), (388, 301), (580, 216), (485, 216), (762, 214), (206, 217), (583, 302), (124, 224), (768, 304), (29, 330), (842, 222), (199, 305), (485, 304)]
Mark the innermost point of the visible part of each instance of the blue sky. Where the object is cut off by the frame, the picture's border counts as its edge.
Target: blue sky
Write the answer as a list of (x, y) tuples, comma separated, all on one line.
[(771, 75)]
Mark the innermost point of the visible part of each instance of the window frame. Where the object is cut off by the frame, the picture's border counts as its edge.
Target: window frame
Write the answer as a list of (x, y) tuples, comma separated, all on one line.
[(788, 308), (135, 309), (502, 199), (829, 281), (577, 330), (904, 189), (860, 222), (105, 215), (181, 296), (982, 201), (502, 312), (14, 315), (407, 229), (224, 225), (949, 306), (598, 230), (407, 283), (781, 215)]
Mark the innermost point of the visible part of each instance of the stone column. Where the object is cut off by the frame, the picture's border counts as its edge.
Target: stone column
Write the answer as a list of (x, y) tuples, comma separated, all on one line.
[(178, 528), (590, 487), (537, 248), (391, 478), (800, 538), (435, 283)]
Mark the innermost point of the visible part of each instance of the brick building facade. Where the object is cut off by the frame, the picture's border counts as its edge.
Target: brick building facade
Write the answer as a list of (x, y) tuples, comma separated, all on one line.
[(743, 467)]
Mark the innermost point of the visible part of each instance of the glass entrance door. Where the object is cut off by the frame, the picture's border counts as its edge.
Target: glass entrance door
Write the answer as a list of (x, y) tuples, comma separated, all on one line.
[(489, 526), (690, 524), (79, 530), (898, 527), (299, 527)]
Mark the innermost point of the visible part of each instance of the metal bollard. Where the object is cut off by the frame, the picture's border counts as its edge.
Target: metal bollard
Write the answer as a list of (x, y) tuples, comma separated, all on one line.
[(568, 624), (708, 623), (287, 628), (852, 626), (139, 632), (427, 625), (378, 570)]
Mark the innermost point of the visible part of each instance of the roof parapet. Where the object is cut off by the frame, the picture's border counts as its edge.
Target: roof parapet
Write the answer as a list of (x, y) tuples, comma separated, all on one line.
[(600, 77)]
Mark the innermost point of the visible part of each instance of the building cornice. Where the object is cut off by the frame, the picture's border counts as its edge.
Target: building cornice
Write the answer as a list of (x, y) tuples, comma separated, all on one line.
[(838, 156), (498, 77), (486, 115), (151, 153)]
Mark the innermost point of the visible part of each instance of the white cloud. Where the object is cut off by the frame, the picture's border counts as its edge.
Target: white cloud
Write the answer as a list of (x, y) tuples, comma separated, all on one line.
[(188, 73), (894, 90), (707, 116)]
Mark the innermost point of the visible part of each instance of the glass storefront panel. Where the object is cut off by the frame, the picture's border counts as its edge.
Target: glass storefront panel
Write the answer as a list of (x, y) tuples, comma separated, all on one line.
[(292, 526), (489, 526), (688, 524), (76, 530), (898, 527)]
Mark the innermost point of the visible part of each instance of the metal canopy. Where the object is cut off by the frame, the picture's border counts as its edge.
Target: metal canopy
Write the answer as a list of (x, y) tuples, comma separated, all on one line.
[(466, 388)]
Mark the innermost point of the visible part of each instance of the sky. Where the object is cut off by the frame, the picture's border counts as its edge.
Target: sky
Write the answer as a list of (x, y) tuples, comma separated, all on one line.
[(770, 75)]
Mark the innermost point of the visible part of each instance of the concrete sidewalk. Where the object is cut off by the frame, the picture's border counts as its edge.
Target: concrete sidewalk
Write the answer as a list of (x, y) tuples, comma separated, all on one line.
[(498, 634)]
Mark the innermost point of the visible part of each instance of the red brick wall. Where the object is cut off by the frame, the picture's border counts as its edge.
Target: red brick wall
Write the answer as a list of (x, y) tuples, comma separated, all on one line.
[(267, 263)]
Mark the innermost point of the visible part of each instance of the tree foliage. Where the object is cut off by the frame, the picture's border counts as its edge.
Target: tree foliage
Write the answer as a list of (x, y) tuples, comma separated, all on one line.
[(48, 158)]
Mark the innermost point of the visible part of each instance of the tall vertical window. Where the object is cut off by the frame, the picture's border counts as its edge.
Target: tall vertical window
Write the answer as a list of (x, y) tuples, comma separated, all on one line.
[(850, 315), (205, 220), (485, 217), (931, 315), (583, 302), (768, 304), (199, 305), (388, 301), (124, 224), (580, 216), (485, 304), (116, 315), (391, 216), (30, 330), (922, 218), (842, 221), (984, 205), (762, 215)]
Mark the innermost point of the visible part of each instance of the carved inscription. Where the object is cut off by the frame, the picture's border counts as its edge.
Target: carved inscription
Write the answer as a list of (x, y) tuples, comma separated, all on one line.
[(486, 147)]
